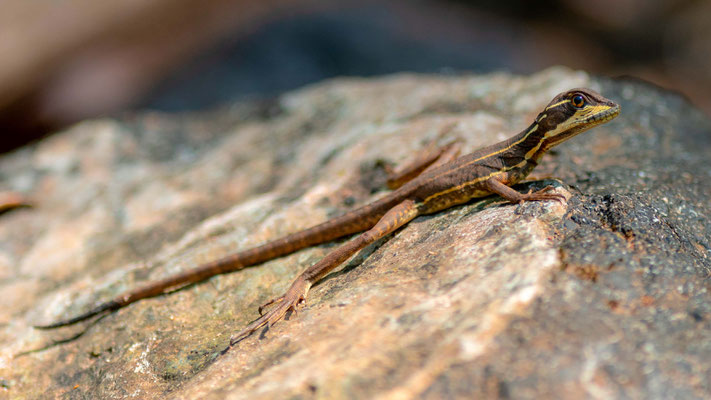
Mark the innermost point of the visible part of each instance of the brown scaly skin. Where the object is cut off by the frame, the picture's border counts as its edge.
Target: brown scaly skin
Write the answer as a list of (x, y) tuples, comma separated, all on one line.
[(440, 181)]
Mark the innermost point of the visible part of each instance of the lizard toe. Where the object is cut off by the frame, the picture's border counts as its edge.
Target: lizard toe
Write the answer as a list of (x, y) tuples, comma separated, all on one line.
[(269, 303), (294, 297)]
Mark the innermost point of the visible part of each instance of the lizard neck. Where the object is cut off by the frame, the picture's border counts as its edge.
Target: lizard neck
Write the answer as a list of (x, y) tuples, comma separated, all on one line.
[(523, 152)]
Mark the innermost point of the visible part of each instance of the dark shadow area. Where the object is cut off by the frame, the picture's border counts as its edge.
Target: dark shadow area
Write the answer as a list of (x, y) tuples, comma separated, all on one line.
[(188, 56)]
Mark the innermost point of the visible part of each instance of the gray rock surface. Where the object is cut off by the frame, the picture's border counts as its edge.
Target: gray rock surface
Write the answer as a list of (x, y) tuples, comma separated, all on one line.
[(604, 297)]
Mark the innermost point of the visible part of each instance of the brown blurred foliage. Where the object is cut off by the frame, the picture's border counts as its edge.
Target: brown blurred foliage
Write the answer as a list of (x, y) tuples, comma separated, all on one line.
[(75, 59)]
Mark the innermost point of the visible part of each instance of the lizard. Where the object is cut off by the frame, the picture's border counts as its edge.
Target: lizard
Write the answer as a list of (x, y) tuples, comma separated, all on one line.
[(438, 181)]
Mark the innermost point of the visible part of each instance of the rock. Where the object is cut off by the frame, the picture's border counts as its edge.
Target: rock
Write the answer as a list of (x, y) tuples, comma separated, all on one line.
[(606, 296)]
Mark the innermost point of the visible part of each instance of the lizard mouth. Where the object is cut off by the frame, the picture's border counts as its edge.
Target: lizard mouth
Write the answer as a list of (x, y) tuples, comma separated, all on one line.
[(596, 118), (601, 116)]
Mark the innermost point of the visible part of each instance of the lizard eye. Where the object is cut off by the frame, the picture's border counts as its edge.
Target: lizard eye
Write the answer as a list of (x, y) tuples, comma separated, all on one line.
[(578, 101)]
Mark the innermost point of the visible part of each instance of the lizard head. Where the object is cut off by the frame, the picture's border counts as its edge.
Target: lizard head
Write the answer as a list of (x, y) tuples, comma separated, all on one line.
[(573, 112)]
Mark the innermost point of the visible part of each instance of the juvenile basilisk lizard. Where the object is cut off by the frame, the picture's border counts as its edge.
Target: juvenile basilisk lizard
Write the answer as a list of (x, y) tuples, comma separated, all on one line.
[(435, 183)]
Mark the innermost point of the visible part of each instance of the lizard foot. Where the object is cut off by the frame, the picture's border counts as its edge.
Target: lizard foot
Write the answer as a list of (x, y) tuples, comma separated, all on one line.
[(269, 303), (542, 194), (294, 297)]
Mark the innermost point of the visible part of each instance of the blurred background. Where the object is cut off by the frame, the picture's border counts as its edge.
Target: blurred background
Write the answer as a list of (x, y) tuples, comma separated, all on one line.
[(64, 61)]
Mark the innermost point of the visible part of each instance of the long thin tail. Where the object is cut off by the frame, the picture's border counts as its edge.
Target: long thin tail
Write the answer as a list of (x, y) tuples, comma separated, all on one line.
[(354, 221)]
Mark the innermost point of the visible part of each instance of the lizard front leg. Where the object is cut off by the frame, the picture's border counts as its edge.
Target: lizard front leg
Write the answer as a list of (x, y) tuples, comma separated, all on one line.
[(513, 196), (395, 218)]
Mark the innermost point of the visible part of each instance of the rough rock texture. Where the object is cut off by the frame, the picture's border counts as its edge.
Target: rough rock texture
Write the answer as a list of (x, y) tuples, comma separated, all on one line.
[(604, 297)]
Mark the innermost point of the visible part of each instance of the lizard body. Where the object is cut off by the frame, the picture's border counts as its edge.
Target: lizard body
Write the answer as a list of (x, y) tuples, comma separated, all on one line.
[(437, 182)]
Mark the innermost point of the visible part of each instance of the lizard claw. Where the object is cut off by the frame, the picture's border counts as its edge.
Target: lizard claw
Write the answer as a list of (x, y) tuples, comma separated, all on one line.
[(294, 297), (543, 195)]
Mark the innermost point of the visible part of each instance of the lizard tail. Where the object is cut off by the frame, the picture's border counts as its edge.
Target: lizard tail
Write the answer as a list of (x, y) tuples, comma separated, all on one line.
[(352, 222)]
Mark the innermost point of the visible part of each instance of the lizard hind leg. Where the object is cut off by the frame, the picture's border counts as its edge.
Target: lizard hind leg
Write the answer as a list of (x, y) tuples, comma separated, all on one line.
[(430, 157), (296, 294)]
